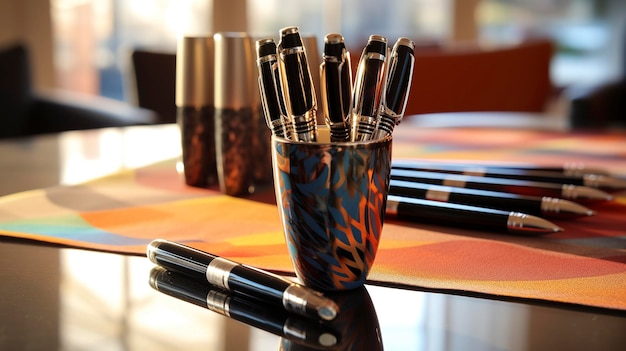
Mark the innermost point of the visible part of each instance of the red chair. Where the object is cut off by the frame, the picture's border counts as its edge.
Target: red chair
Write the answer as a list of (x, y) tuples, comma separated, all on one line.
[(514, 78)]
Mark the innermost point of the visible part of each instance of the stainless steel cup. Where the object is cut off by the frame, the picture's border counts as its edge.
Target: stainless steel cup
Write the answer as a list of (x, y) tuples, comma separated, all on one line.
[(332, 198), (195, 109)]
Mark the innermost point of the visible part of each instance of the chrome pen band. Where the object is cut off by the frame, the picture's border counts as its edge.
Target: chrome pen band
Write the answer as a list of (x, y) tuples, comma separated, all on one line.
[(437, 195), (392, 207), (556, 206), (267, 58), (453, 183), (375, 56), (293, 50), (569, 191), (218, 302), (218, 271), (365, 127), (304, 127)]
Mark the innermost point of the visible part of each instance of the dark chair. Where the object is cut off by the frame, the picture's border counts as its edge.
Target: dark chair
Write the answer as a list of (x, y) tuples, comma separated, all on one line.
[(155, 83), (24, 111)]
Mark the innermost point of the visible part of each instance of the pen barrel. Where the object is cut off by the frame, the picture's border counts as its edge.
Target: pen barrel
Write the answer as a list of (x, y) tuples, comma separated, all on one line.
[(336, 99), (520, 187), (270, 88), (297, 85), (180, 258), (473, 197), (400, 77), (449, 214), (369, 87), (261, 285)]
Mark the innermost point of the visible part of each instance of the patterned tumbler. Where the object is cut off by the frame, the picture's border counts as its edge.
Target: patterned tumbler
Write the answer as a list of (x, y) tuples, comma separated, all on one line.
[(332, 198)]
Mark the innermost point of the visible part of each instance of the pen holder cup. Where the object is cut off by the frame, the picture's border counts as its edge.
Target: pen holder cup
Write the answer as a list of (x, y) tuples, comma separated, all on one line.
[(332, 198)]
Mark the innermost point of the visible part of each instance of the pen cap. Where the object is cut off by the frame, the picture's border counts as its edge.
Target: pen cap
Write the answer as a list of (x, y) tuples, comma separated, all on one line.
[(234, 74), (297, 82), (194, 71), (401, 65)]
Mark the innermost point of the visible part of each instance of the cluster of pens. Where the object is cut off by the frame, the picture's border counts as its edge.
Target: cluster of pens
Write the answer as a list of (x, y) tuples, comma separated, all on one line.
[(368, 111), (505, 198)]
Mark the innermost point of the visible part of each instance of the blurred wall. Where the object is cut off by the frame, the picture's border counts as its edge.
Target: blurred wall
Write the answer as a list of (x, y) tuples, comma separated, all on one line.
[(28, 21)]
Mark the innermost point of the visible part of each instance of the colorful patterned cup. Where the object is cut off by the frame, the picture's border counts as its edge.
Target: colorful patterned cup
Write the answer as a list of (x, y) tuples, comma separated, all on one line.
[(332, 198)]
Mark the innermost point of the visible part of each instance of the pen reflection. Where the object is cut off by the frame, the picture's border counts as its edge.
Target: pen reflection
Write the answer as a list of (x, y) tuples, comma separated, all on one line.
[(355, 328), (356, 323)]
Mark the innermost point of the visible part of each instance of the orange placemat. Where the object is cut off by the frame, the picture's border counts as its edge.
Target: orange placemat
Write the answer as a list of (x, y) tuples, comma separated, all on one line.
[(584, 265)]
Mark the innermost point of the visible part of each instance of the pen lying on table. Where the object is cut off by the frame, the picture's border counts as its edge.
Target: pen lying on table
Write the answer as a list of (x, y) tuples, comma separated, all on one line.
[(568, 168), (534, 205), (590, 180), (470, 217), (522, 187), (243, 309), (239, 278)]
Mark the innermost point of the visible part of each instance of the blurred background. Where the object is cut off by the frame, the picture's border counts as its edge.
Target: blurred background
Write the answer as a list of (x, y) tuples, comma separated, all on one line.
[(85, 45)]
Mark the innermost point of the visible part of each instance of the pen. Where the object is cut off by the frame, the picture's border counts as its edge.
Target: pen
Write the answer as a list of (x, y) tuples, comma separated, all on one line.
[(369, 88), (240, 278), (522, 187), (567, 168), (336, 87), (465, 216), (269, 87), (401, 63), (297, 85), (534, 205), (590, 180), (242, 309)]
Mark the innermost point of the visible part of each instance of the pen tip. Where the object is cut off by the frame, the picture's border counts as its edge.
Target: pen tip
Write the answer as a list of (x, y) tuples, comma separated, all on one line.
[(591, 213), (558, 229)]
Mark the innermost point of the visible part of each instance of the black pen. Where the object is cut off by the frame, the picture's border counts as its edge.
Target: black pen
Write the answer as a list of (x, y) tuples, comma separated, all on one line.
[(470, 217), (369, 88), (336, 87), (534, 205), (297, 85), (270, 88), (246, 310), (240, 278), (401, 64), (522, 187), (567, 168), (589, 180)]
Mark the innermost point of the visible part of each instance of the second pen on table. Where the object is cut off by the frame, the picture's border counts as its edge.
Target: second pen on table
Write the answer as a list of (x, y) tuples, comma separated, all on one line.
[(468, 217), (534, 205)]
